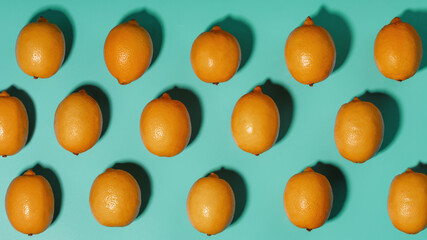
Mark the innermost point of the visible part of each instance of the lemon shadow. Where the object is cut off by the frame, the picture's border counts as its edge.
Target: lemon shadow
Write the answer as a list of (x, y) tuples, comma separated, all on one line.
[(390, 111), (151, 22), (61, 18), (242, 31), (338, 183), (283, 99), (192, 102), (420, 168), (418, 18), (142, 178), (237, 183), (339, 29), (52, 177)]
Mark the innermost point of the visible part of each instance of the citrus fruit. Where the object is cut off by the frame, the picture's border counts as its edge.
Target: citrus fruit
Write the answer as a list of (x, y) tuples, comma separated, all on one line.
[(359, 130), (310, 53), (40, 49), (115, 198), (30, 203), (210, 205), (308, 199), (398, 50), (255, 122), (128, 51), (407, 202), (215, 56), (165, 126), (78, 122), (13, 125)]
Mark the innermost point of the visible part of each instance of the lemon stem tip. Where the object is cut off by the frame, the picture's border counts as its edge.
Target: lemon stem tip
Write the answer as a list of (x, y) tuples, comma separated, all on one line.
[(356, 99), (396, 20), (309, 230), (166, 96), (216, 28), (215, 83), (35, 77), (258, 89), (42, 19), (308, 21), (4, 156), (4, 94), (409, 171), (29, 172), (311, 84), (133, 21), (308, 169), (213, 175)]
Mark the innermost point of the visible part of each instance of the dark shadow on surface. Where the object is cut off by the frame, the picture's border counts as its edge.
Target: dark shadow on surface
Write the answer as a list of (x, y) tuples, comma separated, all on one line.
[(194, 108), (242, 31), (63, 21), (151, 22), (237, 183), (338, 183), (143, 179), (103, 101), (420, 168), (29, 106), (55, 184), (339, 28), (389, 109), (284, 102), (418, 20)]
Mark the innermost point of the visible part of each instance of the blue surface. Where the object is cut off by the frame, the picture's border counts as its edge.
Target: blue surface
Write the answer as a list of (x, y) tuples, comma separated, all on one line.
[(308, 115)]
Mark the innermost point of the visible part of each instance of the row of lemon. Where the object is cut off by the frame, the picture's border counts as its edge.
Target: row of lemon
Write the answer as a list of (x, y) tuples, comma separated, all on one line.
[(165, 125), (115, 201), (215, 55)]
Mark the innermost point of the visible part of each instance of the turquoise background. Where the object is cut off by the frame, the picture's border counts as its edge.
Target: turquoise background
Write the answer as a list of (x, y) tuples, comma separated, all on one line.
[(308, 116)]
